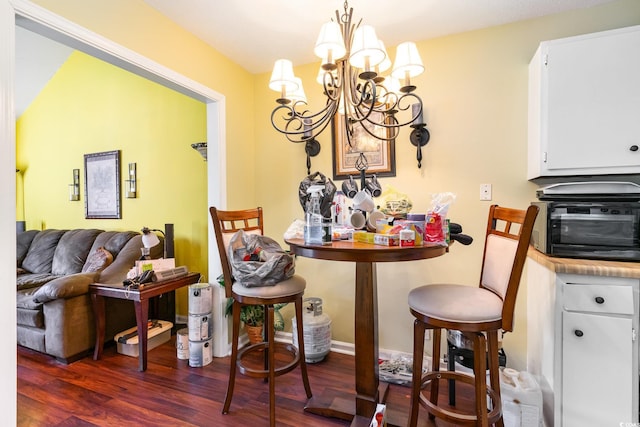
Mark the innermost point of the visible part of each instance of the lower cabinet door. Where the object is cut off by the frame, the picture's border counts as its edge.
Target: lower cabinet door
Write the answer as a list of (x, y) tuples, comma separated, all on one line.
[(597, 370)]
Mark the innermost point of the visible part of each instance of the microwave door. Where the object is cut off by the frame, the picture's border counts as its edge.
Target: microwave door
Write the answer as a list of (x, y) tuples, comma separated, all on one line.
[(595, 230)]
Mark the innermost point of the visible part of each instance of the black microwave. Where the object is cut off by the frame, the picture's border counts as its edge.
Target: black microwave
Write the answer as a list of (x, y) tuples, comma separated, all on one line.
[(606, 230)]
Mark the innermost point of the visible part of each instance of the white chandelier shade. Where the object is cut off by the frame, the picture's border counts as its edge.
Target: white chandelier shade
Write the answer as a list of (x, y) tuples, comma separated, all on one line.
[(330, 44), (365, 49), (408, 63), (282, 77)]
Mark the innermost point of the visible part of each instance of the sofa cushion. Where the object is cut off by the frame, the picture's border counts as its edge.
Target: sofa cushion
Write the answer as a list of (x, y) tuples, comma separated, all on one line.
[(124, 262), (113, 241), (72, 251), (65, 287), (23, 241), (33, 280), (98, 260), (40, 255)]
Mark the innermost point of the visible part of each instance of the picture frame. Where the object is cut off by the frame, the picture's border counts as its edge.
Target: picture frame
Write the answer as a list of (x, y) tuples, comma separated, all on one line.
[(102, 185), (380, 155)]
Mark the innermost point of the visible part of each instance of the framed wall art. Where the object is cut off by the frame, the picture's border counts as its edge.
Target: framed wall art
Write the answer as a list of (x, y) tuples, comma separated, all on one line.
[(380, 155), (102, 185)]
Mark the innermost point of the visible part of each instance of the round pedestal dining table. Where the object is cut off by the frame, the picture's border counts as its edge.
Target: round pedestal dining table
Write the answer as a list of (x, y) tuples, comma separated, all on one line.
[(369, 391)]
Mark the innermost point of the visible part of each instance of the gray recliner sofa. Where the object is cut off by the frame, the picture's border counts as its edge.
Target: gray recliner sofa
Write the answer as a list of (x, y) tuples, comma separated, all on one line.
[(54, 270)]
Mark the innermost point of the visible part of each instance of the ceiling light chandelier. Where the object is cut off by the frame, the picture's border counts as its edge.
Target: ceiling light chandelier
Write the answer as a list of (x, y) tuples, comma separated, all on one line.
[(352, 62)]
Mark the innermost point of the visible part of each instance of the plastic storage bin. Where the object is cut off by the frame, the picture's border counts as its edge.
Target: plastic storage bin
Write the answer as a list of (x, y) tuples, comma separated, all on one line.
[(156, 336), (521, 399)]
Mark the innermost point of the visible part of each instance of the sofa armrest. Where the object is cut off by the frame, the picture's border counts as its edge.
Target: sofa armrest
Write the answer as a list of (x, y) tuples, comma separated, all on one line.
[(65, 287)]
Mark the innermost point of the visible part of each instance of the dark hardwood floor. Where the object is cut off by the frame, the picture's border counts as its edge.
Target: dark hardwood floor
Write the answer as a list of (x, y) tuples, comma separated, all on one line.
[(111, 392)]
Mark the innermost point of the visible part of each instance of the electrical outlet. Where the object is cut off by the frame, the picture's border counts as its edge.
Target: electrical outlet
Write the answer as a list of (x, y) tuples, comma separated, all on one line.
[(485, 191), (427, 335)]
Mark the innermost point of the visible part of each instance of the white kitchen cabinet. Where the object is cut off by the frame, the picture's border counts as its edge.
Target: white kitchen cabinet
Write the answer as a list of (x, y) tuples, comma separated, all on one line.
[(584, 104), (582, 346), (596, 370)]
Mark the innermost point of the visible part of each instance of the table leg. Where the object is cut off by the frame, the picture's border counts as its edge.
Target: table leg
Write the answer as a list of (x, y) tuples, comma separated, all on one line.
[(366, 339), (99, 318), (343, 405), (142, 318)]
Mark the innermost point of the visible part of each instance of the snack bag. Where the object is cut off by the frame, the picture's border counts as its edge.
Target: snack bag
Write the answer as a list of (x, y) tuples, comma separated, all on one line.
[(435, 233)]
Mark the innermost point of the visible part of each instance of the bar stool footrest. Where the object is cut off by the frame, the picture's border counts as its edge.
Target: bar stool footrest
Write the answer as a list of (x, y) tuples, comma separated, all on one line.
[(456, 417), (262, 347)]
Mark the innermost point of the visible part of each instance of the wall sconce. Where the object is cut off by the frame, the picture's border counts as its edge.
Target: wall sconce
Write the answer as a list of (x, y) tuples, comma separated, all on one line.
[(131, 182), (311, 146), (200, 147), (150, 239), (74, 189), (420, 135)]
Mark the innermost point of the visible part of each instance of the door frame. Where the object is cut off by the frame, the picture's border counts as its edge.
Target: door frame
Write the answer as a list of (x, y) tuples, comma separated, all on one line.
[(48, 24)]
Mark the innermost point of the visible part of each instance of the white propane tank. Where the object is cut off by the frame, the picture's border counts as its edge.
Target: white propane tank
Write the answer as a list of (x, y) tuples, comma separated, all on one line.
[(317, 331)]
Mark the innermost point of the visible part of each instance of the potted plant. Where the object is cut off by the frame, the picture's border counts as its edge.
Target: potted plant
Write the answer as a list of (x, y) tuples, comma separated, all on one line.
[(253, 317)]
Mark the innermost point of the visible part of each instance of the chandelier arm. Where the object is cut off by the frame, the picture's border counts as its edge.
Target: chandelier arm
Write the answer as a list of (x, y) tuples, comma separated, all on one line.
[(348, 130), (391, 110), (301, 124), (332, 85)]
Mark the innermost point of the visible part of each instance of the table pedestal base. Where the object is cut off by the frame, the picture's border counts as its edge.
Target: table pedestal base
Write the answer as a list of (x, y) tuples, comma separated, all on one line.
[(342, 405)]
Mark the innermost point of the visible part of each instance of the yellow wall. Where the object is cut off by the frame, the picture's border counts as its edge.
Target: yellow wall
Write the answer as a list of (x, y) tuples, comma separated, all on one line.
[(90, 106), (474, 91)]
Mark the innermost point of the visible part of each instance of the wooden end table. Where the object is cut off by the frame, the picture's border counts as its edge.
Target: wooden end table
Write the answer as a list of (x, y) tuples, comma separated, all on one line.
[(140, 298)]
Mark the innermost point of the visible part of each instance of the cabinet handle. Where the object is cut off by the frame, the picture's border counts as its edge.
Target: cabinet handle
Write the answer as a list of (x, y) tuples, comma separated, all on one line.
[(600, 300), (633, 148), (578, 333)]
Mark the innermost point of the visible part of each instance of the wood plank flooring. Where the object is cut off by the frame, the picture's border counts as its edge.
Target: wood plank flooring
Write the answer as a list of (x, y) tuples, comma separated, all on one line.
[(111, 392)]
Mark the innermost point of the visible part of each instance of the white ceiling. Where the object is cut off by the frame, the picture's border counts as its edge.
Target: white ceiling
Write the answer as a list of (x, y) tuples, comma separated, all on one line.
[(256, 33)]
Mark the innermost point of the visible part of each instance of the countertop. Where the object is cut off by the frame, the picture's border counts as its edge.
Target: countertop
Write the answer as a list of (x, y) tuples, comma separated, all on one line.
[(590, 267)]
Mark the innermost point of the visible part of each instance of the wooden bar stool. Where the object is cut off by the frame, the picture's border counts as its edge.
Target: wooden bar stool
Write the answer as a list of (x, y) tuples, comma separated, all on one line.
[(479, 312), (226, 224)]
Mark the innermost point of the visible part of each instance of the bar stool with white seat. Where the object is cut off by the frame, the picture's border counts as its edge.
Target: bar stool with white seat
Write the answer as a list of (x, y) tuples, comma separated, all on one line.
[(226, 224), (479, 312)]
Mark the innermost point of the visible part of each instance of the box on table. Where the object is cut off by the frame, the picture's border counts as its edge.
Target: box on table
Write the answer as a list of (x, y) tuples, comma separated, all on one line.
[(160, 264), (386, 239), (363, 237), (156, 335), (402, 224)]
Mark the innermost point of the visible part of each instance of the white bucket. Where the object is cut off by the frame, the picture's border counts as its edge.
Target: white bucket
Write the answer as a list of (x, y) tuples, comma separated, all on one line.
[(200, 353), (200, 298), (182, 344), (200, 326)]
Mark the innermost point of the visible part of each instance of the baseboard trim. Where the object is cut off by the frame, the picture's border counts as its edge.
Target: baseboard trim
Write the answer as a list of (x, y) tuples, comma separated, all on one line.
[(346, 347)]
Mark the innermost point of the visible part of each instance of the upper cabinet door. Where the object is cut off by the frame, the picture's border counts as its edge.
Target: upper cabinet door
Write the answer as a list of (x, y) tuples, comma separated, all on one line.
[(584, 105)]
